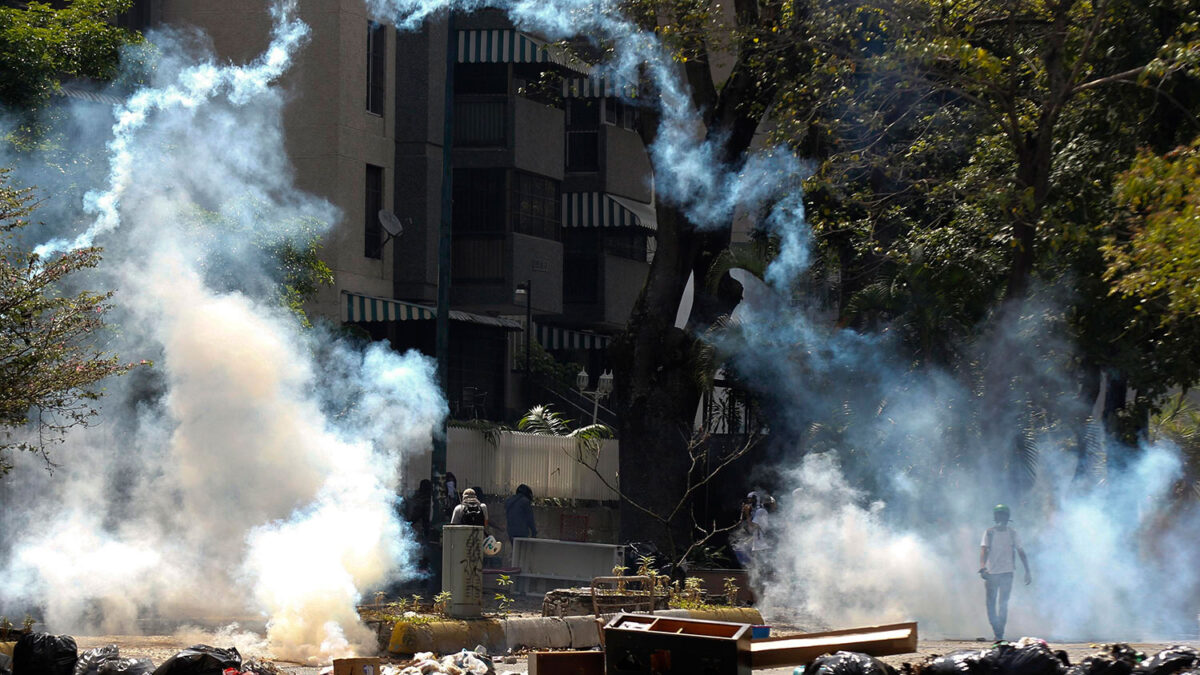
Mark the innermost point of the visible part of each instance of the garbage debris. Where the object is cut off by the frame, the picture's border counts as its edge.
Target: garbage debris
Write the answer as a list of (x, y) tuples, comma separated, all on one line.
[(1174, 659), (962, 662), (1029, 656), (848, 663), (107, 661), (462, 663), (45, 654), (201, 660), (89, 662), (1114, 659), (5, 664)]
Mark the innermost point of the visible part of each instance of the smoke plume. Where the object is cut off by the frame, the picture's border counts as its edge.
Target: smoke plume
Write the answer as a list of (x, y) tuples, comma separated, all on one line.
[(251, 471)]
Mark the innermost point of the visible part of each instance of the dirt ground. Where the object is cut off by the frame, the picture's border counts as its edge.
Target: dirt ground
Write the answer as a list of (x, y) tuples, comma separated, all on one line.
[(158, 648)]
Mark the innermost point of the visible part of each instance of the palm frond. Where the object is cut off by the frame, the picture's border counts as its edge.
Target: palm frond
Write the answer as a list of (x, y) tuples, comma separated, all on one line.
[(542, 420)]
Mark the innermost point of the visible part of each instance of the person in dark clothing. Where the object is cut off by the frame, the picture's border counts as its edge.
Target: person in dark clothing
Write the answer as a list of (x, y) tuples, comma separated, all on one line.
[(518, 512), (419, 509), (471, 511)]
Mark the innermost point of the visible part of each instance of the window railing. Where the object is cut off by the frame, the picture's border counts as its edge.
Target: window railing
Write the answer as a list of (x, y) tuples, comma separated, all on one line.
[(478, 257), (481, 121)]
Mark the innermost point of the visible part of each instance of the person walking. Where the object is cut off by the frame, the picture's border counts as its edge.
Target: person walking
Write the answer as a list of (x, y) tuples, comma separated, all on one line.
[(997, 562), (518, 514), (742, 538)]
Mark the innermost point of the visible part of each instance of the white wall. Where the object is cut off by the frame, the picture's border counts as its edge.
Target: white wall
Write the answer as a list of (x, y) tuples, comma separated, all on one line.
[(544, 463)]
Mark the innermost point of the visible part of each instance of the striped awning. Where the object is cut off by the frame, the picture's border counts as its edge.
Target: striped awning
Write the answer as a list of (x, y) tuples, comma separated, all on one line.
[(358, 308), (600, 209), (83, 94), (510, 46), (594, 87), (552, 337)]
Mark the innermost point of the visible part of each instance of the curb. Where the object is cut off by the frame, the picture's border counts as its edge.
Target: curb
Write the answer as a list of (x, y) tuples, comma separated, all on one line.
[(536, 632)]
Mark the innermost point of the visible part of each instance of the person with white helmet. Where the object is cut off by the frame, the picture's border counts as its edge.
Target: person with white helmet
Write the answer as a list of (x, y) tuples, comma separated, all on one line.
[(997, 562)]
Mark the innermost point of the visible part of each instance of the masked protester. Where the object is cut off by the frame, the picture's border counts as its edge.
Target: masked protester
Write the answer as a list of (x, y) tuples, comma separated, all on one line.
[(997, 562)]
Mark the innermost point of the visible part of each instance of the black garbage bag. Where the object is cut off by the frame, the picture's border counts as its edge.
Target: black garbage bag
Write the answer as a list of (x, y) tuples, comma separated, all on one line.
[(89, 662), (848, 663), (962, 662), (126, 667), (1028, 659), (1114, 659), (44, 654), (1174, 659), (200, 660)]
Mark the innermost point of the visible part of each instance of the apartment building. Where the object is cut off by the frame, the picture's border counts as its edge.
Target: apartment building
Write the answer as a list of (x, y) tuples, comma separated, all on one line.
[(552, 188)]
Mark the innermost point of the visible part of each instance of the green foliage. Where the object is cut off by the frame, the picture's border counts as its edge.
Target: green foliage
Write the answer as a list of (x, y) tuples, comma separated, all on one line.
[(503, 599), (1179, 422), (543, 363), (289, 248), (1155, 254), (39, 45), (730, 588), (688, 595), (589, 439), (441, 603), (491, 430), (51, 343)]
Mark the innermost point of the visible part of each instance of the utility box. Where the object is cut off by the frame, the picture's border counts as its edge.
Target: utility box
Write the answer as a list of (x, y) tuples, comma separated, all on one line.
[(639, 644), (462, 570)]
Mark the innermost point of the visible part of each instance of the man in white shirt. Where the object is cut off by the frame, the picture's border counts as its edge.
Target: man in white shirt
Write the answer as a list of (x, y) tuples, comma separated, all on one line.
[(997, 562)]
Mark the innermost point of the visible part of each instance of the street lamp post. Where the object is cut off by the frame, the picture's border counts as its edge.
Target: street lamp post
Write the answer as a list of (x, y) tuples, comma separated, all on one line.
[(604, 387), (525, 292)]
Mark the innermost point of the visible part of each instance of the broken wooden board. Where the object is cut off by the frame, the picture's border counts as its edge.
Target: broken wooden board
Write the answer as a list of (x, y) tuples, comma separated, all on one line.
[(798, 650)]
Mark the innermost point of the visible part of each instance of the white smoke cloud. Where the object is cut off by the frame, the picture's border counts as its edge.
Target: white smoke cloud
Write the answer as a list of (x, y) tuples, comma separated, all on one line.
[(882, 519), (252, 471)]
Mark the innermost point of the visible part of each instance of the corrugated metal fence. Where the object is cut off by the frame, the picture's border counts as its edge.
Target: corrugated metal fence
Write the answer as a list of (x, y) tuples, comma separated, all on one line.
[(546, 464)]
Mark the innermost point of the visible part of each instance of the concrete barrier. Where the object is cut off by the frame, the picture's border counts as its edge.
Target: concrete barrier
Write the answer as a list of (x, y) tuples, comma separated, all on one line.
[(444, 636)]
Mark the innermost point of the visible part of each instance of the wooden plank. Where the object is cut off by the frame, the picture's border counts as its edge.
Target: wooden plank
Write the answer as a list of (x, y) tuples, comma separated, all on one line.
[(798, 650), (566, 663)]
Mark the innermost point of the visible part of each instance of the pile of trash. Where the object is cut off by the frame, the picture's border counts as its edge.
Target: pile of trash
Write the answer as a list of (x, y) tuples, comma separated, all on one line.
[(463, 663), (1032, 656), (46, 654)]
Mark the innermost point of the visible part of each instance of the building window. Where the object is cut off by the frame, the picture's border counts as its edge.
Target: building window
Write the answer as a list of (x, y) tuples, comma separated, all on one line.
[(137, 17), (479, 205), (376, 66), (581, 266), (480, 227), (535, 205), (583, 135), (372, 231)]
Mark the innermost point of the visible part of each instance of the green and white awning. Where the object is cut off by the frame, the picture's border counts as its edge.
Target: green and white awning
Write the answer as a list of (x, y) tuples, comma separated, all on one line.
[(510, 46), (357, 308), (600, 209), (551, 337), (594, 87)]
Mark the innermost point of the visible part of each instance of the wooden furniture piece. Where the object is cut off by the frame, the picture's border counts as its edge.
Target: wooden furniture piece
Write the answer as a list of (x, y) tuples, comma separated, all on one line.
[(797, 650), (640, 644)]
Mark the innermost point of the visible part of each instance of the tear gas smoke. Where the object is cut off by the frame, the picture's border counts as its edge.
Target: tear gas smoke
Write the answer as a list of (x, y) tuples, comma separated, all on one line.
[(886, 498), (261, 479), (892, 529), (252, 471)]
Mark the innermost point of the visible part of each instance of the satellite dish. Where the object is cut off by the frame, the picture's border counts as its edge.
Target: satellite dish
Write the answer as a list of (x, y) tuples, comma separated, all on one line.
[(391, 224)]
